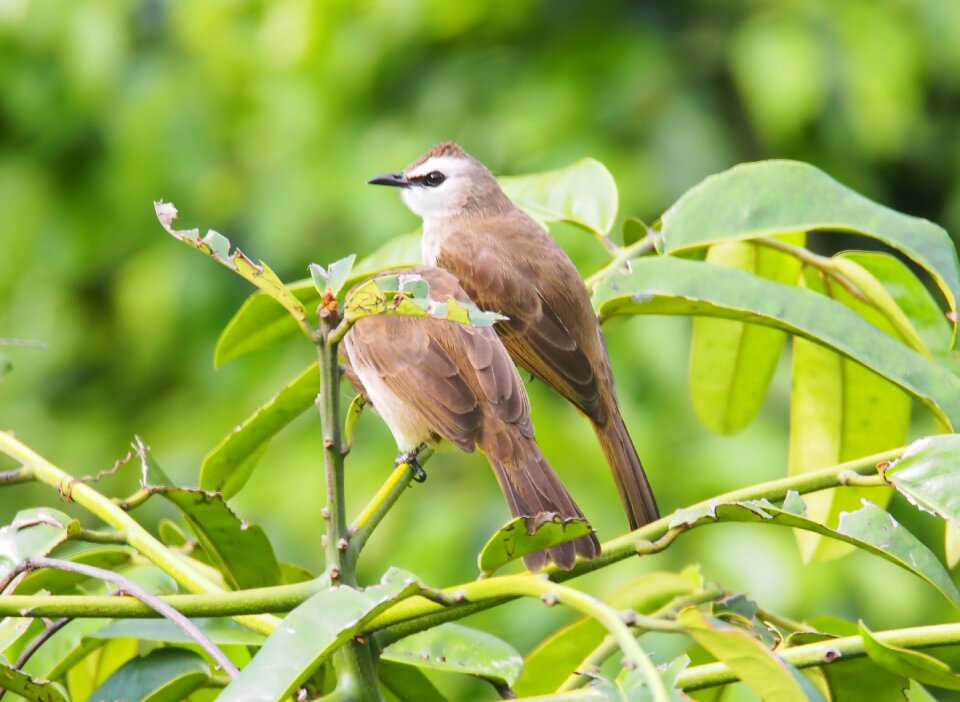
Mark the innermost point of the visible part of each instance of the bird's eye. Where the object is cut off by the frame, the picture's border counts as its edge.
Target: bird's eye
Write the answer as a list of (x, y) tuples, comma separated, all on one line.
[(433, 179)]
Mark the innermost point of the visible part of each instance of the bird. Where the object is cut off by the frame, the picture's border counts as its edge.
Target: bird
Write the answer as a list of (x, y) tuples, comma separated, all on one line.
[(508, 263), (432, 379)]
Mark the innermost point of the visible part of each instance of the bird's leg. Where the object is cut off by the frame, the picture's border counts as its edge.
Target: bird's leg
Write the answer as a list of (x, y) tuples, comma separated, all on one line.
[(410, 458)]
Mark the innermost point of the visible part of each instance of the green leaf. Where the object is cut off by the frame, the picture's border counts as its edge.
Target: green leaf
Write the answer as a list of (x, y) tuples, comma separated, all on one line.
[(862, 679), (65, 648), (927, 475), (312, 632), (633, 230), (771, 677), (951, 545), (261, 323), (220, 630), (869, 528), (583, 194), (631, 685), (557, 656), (230, 464), (453, 648), (164, 675), (28, 688), (58, 581), (386, 295), (732, 363), (88, 674), (33, 532), (525, 535), (668, 285), (839, 411), (241, 551), (319, 276), (777, 197), (407, 683), (908, 663), (338, 273)]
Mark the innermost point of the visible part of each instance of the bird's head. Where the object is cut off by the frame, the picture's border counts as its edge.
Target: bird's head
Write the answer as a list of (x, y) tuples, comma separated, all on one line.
[(445, 182)]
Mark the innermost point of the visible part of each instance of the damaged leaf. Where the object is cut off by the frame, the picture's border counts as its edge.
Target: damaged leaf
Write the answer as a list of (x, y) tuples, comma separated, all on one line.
[(524, 535)]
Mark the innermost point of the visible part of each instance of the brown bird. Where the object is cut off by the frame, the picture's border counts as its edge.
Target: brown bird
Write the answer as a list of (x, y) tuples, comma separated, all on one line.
[(507, 263), (432, 379)]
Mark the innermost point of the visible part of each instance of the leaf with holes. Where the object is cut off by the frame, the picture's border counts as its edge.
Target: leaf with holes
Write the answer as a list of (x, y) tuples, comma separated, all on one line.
[(525, 535), (29, 688), (453, 648)]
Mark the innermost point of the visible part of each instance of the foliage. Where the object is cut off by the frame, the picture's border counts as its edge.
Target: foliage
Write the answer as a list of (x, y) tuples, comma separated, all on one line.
[(715, 255)]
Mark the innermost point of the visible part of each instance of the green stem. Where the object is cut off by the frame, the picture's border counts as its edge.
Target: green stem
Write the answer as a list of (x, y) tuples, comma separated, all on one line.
[(353, 662), (100, 537), (623, 256), (651, 538), (554, 593), (378, 507), (137, 537), (18, 475), (822, 652), (416, 611)]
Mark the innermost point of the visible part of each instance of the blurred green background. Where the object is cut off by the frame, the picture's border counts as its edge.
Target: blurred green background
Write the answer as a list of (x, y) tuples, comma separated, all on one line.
[(263, 120)]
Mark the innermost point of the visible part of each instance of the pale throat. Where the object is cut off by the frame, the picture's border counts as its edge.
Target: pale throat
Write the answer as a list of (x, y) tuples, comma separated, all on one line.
[(435, 233)]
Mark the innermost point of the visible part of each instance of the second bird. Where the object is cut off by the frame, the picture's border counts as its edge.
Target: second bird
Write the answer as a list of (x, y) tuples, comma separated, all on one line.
[(507, 263)]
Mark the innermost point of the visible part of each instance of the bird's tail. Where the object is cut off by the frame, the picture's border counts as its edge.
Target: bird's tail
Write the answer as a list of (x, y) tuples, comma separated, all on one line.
[(635, 491), (533, 489)]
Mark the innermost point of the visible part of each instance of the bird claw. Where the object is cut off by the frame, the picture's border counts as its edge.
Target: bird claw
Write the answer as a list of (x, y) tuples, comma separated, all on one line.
[(410, 458)]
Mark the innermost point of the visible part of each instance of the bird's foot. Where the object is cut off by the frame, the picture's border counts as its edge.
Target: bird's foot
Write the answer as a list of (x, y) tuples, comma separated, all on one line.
[(410, 458)]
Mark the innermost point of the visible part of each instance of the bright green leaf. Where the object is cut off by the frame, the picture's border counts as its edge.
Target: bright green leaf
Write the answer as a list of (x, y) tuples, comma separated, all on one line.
[(33, 532), (163, 675), (928, 475), (261, 323), (525, 535), (312, 632), (633, 230), (583, 194), (454, 648), (220, 630), (668, 285), (908, 663), (227, 467), (732, 363), (28, 688), (777, 197), (759, 668), (839, 411)]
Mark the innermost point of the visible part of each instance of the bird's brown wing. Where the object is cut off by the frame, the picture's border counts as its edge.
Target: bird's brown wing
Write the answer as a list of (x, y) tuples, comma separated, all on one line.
[(526, 276), (412, 355)]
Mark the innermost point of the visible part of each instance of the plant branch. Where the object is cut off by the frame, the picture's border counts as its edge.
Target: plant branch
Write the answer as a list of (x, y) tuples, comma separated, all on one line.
[(828, 651), (100, 537), (623, 257), (137, 537), (379, 505), (17, 475), (128, 587)]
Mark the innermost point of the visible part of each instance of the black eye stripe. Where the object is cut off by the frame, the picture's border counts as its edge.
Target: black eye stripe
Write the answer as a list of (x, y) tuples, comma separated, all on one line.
[(431, 179)]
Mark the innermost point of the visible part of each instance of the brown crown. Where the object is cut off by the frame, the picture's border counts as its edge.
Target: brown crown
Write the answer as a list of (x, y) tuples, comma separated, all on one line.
[(447, 148)]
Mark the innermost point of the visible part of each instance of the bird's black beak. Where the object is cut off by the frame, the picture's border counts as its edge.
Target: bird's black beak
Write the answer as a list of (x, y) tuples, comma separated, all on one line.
[(397, 180)]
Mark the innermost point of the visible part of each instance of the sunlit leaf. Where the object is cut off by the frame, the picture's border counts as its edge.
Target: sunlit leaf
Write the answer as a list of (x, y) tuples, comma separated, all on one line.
[(29, 688), (909, 663), (583, 194), (758, 667), (227, 467), (454, 648), (668, 285), (163, 675), (840, 411), (524, 535), (334, 277), (557, 656), (261, 323), (87, 675), (732, 363), (310, 633), (928, 474), (33, 532), (869, 528), (777, 197)]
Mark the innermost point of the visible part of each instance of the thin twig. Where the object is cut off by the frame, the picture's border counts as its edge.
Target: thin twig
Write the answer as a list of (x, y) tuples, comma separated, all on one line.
[(15, 476), (623, 257), (128, 587)]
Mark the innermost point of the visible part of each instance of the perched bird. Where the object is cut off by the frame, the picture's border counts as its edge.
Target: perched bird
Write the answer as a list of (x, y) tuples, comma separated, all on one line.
[(507, 263), (432, 379)]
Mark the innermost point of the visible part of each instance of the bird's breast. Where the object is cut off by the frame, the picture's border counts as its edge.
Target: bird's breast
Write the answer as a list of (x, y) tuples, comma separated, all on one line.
[(434, 234)]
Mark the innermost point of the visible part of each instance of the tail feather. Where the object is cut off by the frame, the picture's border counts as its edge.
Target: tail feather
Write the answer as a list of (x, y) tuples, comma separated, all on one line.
[(532, 488), (635, 491)]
